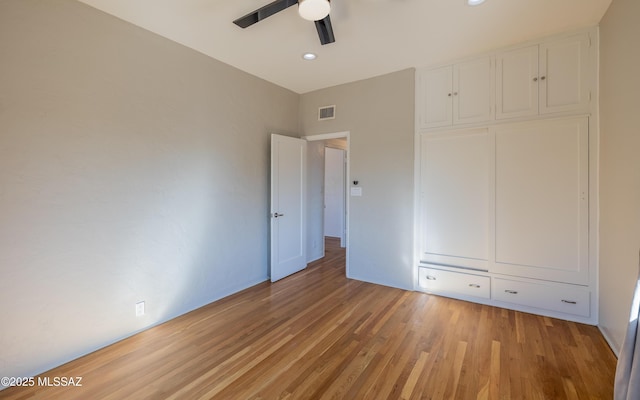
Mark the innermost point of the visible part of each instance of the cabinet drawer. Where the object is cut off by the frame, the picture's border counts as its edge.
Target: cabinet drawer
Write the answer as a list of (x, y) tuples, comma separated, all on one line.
[(447, 282), (555, 297)]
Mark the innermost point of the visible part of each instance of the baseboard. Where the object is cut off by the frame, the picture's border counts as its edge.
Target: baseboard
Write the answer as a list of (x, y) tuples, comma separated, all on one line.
[(315, 258), (228, 291), (609, 341)]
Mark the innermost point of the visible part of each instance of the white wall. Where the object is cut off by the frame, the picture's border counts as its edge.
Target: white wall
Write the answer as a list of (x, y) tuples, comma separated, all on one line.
[(619, 165), (131, 168), (378, 113)]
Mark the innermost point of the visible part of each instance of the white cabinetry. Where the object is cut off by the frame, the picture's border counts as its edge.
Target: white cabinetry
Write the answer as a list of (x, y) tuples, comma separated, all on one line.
[(551, 77), (508, 205), (435, 92), (473, 91), (455, 198), (541, 200), (567, 299), (565, 71), (455, 94), (506, 175), (447, 282), (517, 83)]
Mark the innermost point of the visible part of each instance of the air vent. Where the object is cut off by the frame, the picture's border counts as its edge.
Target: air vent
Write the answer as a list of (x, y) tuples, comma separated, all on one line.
[(326, 112)]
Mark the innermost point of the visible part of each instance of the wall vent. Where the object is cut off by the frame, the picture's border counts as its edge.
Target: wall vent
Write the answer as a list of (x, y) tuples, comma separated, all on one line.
[(326, 112)]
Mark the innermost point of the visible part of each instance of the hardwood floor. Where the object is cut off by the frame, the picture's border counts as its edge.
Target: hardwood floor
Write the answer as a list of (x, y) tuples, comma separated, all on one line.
[(317, 335)]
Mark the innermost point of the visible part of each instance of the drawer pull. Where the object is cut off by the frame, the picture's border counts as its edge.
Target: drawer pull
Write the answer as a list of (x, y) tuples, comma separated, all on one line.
[(431, 278), (474, 285), (511, 291), (569, 301)]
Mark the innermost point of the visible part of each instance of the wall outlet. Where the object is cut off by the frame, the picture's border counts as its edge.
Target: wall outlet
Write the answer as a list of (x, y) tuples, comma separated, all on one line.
[(139, 308)]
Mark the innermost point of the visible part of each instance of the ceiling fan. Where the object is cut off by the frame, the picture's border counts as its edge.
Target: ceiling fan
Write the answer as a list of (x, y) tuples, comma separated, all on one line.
[(312, 10)]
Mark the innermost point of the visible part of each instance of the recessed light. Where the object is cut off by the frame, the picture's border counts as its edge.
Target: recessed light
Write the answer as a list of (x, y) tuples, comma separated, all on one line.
[(474, 2), (309, 56)]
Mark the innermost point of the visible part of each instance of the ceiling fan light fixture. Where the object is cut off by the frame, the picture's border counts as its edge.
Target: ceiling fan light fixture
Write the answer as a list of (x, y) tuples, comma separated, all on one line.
[(313, 10)]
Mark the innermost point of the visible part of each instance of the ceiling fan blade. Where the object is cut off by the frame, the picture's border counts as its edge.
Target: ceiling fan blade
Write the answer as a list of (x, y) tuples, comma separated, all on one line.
[(325, 31), (264, 12)]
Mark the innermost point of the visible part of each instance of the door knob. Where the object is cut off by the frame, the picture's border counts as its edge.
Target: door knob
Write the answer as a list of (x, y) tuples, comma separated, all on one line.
[(276, 215)]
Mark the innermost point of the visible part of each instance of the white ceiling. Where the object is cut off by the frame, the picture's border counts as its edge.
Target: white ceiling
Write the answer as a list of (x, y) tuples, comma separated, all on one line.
[(373, 37)]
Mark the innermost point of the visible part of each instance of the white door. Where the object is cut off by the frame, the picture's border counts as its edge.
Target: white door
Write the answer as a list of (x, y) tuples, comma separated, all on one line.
[(288, 187)]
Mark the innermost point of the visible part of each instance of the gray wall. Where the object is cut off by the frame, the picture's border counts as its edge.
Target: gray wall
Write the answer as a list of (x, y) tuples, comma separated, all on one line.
[(131, 168), (379, 114), (619, 165)]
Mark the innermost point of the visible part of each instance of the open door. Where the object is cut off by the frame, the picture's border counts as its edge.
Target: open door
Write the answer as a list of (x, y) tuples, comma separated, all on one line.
[(288, 192)]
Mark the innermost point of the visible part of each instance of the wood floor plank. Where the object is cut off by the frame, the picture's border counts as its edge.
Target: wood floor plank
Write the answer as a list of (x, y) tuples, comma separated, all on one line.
[(416, 371), (319, 335)]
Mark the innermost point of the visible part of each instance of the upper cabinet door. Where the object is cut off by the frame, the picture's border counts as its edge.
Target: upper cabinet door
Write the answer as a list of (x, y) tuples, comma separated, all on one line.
[(565, 75), (517, 83), (434, 97), (556, 76), (473, 91)]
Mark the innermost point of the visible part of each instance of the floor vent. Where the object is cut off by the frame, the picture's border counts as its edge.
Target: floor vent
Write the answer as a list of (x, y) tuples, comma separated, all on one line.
[(326, 112)]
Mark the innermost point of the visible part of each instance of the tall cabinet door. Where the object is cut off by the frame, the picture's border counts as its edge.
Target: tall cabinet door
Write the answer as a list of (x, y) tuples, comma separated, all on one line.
[(472, 91), (517, 83), (435, 97), (455, 198), (541, 200), (564, 75)]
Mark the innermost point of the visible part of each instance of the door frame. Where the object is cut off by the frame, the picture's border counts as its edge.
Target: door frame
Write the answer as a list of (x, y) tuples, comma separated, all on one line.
[(340, 135)]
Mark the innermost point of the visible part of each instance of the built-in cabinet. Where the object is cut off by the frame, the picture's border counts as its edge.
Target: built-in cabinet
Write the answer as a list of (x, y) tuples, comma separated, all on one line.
[(456, 94), (455, 283), (541, 200), (566, 300), (504, 196), (551, 77), (455, 205)]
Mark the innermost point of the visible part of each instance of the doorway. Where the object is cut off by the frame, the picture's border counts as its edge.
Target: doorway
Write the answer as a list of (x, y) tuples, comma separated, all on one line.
[(334, 193), (324, 198)]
